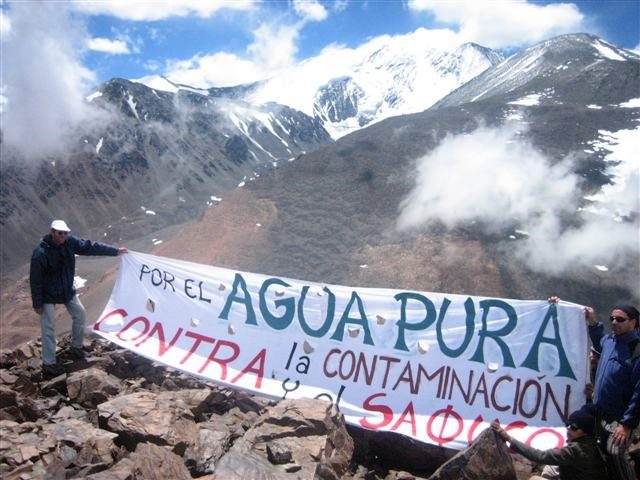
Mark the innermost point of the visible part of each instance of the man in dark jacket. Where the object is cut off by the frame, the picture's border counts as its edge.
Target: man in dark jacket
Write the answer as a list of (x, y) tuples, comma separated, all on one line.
[(53, 266), (617, 383), (579, 459)]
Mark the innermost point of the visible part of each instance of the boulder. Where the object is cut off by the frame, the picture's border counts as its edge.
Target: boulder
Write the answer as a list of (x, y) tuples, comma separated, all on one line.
[(92, 386), (486, 457), (306, 437)]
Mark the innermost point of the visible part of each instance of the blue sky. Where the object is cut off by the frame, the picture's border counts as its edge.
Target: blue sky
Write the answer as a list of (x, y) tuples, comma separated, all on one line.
[(225, 42)]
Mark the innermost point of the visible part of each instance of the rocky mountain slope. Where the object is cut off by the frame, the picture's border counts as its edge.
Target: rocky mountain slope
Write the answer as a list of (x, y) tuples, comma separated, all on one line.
[(154, 155), (336, 215), (576, 69), (507, 196), (143, 161)]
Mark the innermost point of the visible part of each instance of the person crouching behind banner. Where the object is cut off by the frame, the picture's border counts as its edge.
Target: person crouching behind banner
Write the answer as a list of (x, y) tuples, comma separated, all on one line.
[(53, 266), (579, 459)]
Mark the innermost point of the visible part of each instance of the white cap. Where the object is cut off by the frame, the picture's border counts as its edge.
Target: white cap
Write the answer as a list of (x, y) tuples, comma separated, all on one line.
[(60, 225)]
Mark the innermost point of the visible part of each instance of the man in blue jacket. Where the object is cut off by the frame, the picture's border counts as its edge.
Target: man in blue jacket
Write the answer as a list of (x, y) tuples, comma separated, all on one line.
[(53, 266), (617, 383)]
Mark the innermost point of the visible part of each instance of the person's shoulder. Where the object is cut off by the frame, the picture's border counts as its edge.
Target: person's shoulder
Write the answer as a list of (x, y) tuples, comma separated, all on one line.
[(41, 246), (629, 338), (585, 440), (72, 241), (37, 252), (634, 346)]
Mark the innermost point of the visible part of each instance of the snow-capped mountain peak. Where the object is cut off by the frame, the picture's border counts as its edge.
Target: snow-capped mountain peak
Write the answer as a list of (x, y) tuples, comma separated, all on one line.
[(347, 89), (351, 88)]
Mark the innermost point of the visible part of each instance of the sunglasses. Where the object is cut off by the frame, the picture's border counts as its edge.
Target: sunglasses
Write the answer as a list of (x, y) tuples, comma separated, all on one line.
[(63, 234), (618, 319), (573, 426)]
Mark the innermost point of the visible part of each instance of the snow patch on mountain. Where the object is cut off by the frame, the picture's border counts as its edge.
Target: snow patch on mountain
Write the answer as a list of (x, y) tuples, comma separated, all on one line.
[(94, 95), (132, 105), (165, 85), (528, 101), (621, 198), (607, 51), (633, 103)]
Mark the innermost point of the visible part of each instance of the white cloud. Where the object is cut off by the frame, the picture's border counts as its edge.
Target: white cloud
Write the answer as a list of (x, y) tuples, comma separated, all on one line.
[(114, 47), (5, 31), (598, 240), (310, 10), (495, 179), (503, 180), (151, 11), (503, 24), (43, 78), (340, 5), (620, 198), (218, 69), (5, 24), (274, 47)]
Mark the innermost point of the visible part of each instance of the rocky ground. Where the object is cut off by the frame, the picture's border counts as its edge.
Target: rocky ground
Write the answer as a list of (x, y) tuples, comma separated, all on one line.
[(115, 415)]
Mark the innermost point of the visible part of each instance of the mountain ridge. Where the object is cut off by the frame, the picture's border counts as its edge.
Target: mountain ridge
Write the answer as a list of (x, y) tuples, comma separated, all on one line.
[(146, 160), (331, 214), (349, 88), (548, 62)]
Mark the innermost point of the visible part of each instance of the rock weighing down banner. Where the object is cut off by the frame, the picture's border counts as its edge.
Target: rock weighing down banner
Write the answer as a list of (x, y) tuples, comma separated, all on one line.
[(432, 366)]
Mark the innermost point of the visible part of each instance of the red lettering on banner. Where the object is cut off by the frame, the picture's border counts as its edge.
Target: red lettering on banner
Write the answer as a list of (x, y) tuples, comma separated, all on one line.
[(223, 352), (472, 430), (518, 424), (235, 351), (129, 325), (159, 332), (387, 413), (440, 427), (444, 414), (443, 426), (260, 360), (411, 415), (120, 312), (198, 340), (542, 431)]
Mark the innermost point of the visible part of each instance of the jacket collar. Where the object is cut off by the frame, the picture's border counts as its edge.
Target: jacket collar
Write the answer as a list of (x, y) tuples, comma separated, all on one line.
[(627, 337)]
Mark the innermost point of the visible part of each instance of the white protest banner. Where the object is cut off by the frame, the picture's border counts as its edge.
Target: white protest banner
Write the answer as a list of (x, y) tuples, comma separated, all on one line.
[(433, 366)]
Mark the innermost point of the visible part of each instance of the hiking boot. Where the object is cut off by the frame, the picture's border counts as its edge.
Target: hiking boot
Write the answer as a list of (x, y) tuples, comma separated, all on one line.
[(52, 371), (77, 353)]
